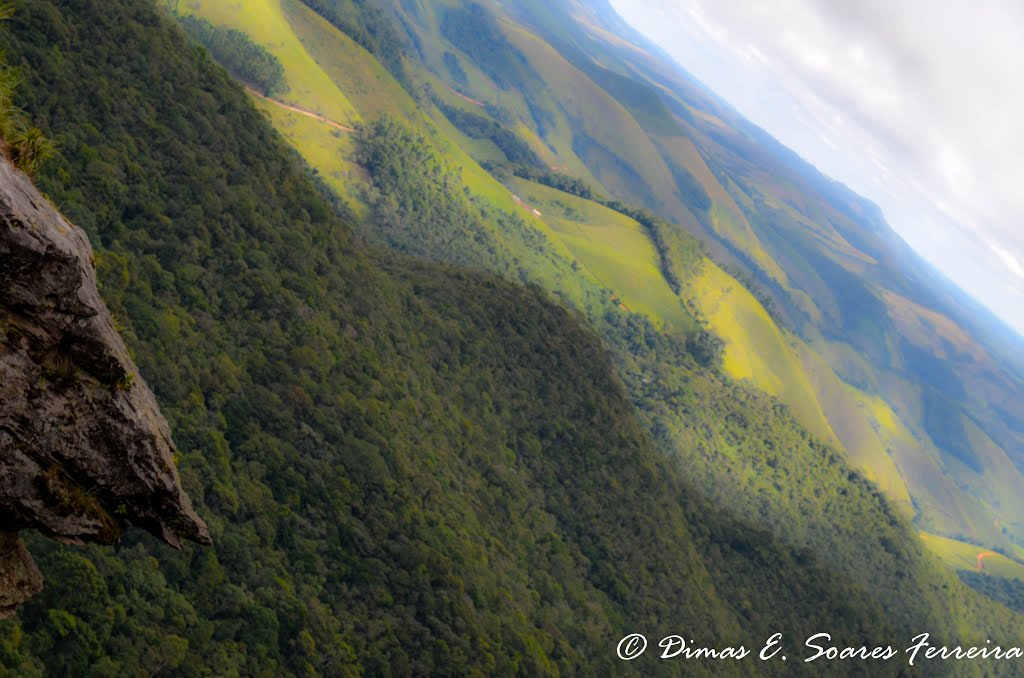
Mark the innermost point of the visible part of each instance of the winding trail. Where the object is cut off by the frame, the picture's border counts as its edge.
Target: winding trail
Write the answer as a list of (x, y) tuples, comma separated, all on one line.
[(302, 111), (982, 556), (475, 102)]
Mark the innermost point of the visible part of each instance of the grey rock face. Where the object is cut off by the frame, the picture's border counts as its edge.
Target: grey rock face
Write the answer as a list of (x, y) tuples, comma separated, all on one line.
[(19, 577), (84, 449)]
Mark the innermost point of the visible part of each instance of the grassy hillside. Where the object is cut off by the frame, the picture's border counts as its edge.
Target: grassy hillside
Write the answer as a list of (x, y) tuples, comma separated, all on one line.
[(873, 298), (266, 23), (755, 348), (613, 248), (961, 556)]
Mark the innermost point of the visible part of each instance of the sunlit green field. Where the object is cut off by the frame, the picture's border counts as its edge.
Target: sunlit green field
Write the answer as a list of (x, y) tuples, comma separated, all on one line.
[(613, 247), (755, 347)]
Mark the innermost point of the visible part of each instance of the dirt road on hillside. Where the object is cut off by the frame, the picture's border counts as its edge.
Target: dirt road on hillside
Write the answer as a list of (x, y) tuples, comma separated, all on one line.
[(302, 111), (982, 556)]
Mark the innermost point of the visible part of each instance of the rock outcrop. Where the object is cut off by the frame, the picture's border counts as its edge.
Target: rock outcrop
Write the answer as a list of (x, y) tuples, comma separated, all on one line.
[(84, 449)]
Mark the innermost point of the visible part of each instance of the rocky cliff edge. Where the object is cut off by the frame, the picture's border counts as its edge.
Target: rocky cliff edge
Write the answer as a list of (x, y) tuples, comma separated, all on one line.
[(84, 450)]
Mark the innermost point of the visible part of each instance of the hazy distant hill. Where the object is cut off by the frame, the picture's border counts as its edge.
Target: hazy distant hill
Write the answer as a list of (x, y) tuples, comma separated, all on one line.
[(918, 383)]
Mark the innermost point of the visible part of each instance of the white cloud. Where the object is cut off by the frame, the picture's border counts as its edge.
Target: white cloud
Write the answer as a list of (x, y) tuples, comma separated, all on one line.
[(1012, 262), (926, 96)]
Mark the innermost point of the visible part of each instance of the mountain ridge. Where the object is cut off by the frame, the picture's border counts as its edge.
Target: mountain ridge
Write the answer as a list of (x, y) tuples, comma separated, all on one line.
[(982, 513), (793, 297)]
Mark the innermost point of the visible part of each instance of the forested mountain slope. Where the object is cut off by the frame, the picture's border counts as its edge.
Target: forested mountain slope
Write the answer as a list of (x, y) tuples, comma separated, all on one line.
[(409, 468), (519, 103), (405, 468), (872, 349)]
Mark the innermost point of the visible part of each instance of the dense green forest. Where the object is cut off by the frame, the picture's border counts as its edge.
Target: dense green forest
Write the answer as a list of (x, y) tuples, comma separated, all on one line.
[(481, 127), (1009, 592), (409, 469), (562, 182), (474, 30), (246, 60), (418, 205)]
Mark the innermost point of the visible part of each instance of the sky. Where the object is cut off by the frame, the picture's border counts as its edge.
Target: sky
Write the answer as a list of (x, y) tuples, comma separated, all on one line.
[(917, 105)]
